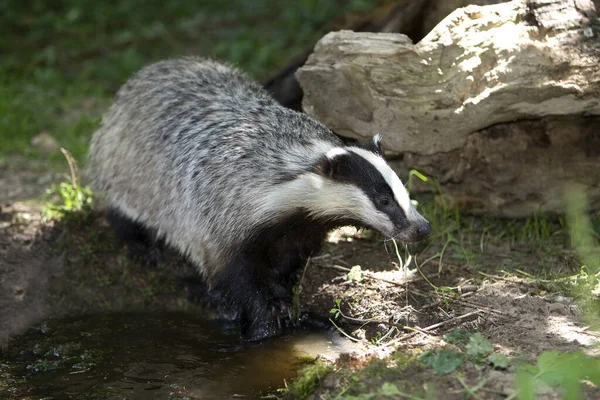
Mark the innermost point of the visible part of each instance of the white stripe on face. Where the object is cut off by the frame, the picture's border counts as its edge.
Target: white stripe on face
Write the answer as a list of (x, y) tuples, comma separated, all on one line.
[(324, 199), (336, 151), (390, 177)]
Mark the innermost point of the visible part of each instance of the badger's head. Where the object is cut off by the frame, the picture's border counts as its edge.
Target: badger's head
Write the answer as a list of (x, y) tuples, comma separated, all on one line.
[(357, 184)]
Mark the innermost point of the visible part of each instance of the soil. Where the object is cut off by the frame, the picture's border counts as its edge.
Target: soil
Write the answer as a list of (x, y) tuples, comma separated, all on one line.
[(76, 266)]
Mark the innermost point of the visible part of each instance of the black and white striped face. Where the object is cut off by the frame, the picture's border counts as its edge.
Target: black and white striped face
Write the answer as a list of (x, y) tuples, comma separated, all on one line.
[(379, 199)]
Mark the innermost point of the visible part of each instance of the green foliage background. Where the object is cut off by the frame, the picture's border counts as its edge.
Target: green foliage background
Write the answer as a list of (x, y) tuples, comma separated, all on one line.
[(63, 60)]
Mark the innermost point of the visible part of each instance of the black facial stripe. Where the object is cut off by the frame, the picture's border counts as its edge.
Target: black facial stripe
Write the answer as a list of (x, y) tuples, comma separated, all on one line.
[(354, 169)]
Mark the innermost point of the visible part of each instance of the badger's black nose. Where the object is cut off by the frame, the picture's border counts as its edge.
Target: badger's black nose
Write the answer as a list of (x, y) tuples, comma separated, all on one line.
[(424, 230)]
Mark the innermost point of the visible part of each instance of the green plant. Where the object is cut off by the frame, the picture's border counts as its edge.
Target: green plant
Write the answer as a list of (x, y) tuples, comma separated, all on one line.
[(583, 235), (355, 274), (74, 200), (477, 349), (560, 370), (442, 361), (586, 285), (309, 378), (412, 173), (336, 310), (567, 370), (538, 230)]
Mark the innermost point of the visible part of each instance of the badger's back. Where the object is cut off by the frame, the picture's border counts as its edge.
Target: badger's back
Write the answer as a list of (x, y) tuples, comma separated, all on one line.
[(191, 148)]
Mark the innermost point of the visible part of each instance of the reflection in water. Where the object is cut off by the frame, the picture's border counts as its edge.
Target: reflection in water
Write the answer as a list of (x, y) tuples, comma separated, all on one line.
[(160, 355)]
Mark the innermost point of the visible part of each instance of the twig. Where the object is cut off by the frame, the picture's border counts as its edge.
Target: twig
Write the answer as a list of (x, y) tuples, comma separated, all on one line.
[(403, 265), (467, 315), (366, 273), (478, 307), (585, 331), (368, 320), (345, 334), (72, 165), (434, 326), (521, 281), (471, 390), (402, 284), (297, 290), (436, 288), (303, 273), (512, 279), (416, 330), (79, 372), (481, 307), (387, 334), (322, 256)]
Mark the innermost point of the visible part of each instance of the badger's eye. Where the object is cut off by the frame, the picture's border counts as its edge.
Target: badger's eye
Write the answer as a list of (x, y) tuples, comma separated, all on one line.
[(384, 201)]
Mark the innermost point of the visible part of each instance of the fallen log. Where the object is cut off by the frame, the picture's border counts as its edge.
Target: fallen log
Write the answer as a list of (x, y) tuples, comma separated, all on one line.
[(437, 102)]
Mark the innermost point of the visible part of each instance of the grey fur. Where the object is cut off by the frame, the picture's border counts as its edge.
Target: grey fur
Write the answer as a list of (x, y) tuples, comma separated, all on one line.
[(180, 117), (197, 151)]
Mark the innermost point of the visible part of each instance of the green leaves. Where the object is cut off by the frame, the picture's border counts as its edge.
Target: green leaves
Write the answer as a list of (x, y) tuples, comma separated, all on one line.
[(478, 346), (336, 310), (76, 201), (457, 336), (355, 274), (478, 350), (556, 369), (443, 361), (498, 361), (389, 389)]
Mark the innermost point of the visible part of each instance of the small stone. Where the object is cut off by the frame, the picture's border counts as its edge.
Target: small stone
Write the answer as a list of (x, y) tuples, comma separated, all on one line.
[(45, 143)]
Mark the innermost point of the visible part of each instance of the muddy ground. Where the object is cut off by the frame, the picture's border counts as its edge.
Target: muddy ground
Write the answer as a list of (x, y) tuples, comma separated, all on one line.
[(490, 280)]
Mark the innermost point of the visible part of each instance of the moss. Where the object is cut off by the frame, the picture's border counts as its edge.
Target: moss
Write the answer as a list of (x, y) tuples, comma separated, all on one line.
[(308, 380)]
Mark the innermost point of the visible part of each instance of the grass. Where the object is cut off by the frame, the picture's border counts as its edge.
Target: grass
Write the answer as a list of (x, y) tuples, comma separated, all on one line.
[(565, 371), (63, 61), (465, 238), (73, 200), (310, 377)]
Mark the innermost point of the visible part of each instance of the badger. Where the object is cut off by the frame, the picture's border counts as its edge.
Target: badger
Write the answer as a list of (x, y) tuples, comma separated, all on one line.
[(201, 155)]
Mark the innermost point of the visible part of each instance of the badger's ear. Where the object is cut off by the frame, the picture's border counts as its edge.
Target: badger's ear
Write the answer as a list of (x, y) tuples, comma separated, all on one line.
[(373, 144), (330, 164), (324, 166)]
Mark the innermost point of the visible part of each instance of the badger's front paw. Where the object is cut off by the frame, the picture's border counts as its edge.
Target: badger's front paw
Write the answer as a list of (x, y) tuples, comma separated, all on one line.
[(266, 319), (262, 328)]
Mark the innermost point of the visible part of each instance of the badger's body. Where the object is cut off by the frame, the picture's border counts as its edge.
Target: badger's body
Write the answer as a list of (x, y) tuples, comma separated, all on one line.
[(247, 189)]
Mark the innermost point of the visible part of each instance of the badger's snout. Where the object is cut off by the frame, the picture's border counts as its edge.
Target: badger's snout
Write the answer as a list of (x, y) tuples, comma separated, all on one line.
[(415, 231), (423, 230)]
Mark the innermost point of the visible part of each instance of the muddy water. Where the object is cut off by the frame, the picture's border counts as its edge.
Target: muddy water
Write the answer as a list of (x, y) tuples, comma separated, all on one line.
[(147, 356)]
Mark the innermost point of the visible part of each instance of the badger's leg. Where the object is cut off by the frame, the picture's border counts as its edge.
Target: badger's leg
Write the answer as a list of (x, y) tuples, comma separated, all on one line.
[(283, 275), (287, 266), (260, 278), (141, 242), (287, 257), (245, 284)]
